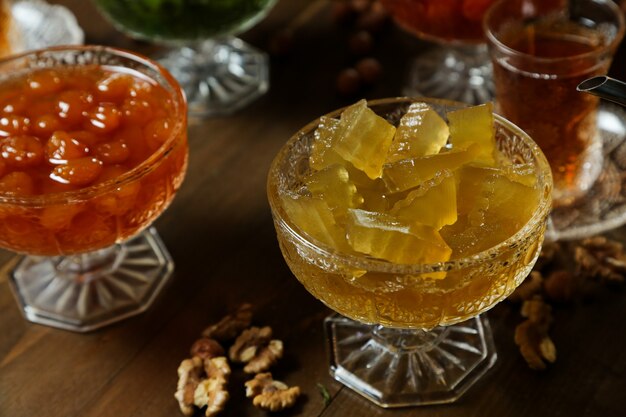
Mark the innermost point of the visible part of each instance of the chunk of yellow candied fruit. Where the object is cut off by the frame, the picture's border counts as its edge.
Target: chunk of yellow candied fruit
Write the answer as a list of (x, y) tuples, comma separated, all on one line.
[(315, 219), (322, 152), (492, 208), (465, 239), (333, 185), (382, 236), (471, 183), (421, 132), (378, 199), (512, 203), (423, 193), (432, 204), (521, 173), (409, 173), (474, 126), (363, 138)]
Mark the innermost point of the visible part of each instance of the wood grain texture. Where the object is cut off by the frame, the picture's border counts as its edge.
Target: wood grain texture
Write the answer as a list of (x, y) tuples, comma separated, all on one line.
[(220, 234)]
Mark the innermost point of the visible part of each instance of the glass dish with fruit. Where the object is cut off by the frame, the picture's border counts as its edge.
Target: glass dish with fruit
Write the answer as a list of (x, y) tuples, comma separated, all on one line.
[(93, 147), (410, 218)]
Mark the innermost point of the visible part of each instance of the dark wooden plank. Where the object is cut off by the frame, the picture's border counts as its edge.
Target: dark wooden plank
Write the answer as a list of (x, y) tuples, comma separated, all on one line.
[(220, 233)]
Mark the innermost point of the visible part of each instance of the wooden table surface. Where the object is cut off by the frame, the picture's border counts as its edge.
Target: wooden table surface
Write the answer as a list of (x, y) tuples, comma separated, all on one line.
[(220, 234)]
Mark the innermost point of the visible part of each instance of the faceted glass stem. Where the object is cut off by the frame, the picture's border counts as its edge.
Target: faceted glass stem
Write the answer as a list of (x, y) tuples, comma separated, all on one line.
[(219, 76), (88, 291), (403, 367), (460, 73)]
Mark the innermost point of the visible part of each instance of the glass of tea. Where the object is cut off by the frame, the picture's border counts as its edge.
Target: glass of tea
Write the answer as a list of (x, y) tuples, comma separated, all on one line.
[(459, 68), (410, 217), (93, 147), (540, 53), (218, 72)]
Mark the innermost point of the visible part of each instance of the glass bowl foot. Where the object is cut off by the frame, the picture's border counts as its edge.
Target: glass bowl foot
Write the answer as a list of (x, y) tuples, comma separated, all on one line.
[(219, 76), (454, 73), (88, 291), (398, 368)]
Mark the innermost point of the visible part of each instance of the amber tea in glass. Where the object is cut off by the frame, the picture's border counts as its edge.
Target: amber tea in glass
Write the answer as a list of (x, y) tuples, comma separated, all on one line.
[(540, 55)]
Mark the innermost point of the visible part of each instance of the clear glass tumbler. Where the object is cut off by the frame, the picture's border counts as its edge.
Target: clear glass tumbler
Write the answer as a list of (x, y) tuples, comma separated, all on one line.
[(540, 54)]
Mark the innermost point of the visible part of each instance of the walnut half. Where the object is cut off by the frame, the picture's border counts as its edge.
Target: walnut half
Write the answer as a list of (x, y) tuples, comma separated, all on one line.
[(189, 376), (255, 348), (269, 394), (532, 336), (202, 382), (231, 325), (535, 345), (212, 394)]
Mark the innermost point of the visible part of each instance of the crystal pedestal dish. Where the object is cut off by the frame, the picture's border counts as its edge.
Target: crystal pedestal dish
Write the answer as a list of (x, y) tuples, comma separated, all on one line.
[(218, 72), (407, 334), (94, 148)]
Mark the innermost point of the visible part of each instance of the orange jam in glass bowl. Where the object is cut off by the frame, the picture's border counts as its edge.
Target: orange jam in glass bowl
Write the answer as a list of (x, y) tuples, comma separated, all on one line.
[(89, 156)]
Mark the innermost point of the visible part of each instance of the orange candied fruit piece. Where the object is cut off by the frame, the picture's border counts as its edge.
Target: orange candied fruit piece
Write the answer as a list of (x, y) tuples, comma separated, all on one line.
[(83, 136), (13, 103), (39, 107), (71, 104), (44, 82), (114, 87), (21, 151), (79, 172), (141, 89), (121, 200), (157, 132), (18, 183), (103, 119), (45, 124), (133, 136), (59, 217), (62, 147), (113, 152), (111, 172), (135, 110), (11, 124), (79, 79)]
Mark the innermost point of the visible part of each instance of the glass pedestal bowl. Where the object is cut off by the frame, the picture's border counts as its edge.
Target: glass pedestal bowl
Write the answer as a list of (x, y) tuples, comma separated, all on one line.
[(458, 67), (402, 338), (218, 72), (88, 259)]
